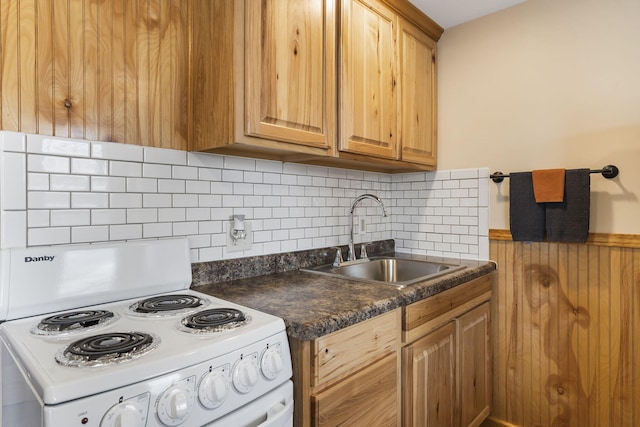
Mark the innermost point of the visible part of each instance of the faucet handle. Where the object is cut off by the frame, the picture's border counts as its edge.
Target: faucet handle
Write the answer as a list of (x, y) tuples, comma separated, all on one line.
[(338, 260), (363, 251)]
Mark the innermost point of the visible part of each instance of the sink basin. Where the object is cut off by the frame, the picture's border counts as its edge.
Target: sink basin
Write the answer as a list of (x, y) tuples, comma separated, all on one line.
[(398, 272)]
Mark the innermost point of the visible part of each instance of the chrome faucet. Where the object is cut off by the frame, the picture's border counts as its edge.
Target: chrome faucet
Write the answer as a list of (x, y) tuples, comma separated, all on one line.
[(351, 256)]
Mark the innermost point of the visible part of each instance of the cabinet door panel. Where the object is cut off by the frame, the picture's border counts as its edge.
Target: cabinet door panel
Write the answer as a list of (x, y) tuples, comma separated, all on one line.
[(365, 399), (430, 379), (418, 72), (368, 103), (475, 365), (290, 71)]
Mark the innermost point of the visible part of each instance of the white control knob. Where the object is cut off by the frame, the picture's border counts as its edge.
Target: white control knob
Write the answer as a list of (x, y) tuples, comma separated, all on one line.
[(174, 405), (245, 375), (213, 389), (125, 414), (271, 363)]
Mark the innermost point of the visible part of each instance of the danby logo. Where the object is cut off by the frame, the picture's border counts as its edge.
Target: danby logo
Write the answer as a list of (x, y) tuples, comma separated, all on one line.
[(38, 258)]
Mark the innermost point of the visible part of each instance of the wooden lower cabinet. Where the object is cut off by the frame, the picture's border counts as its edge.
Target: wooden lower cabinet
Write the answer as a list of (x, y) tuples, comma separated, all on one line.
[(367, 398), (446, 370), (426, 365), (475, 365), (350, 377), (430, 379)]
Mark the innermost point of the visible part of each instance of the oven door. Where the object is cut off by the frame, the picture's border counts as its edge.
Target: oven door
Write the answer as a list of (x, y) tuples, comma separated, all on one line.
[(274, 409)]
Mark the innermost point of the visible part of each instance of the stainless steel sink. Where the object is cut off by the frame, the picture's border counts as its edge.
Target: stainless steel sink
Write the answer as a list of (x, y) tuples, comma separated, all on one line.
[(398, 272)]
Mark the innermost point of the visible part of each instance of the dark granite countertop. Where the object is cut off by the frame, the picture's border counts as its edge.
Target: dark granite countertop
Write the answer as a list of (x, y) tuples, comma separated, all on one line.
[(313, 305)]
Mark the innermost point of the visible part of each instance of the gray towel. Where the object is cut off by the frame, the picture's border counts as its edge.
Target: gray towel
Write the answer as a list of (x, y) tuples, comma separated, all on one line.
[(526, 217), (568, 221)]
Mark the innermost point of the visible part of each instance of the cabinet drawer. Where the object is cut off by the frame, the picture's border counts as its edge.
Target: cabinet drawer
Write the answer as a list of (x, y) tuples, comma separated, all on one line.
[(424, 316), (351, 348), (367, 398)]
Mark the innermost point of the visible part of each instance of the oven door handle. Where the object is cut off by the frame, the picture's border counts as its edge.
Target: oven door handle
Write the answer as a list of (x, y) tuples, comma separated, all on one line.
[(278, 415)]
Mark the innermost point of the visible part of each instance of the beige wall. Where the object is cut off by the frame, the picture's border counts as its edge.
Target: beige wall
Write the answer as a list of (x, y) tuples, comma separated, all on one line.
[(546, 84)]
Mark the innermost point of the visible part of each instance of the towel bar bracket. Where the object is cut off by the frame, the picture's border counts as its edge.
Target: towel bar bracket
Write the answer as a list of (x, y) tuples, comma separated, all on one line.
[(609, 171)]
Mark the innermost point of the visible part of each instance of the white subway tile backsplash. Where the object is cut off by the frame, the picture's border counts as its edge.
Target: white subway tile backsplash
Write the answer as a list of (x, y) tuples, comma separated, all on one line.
[(150, 170), (89, 200), (132, 192), (69, 183), (46, 164), (185, 200), (48, 200), (206, 174), (125, 169), (185, 228), (164, 156), (14, 229), (184, 172), (125, 232), (70, 217), (41, 144), (88, 167), (37, 218), (125, 200), (171, 186), (37, 182), (12, 141), (173, 214), (89, 234), (116, 151), (48, 236), (198, 187), (158, 229), (151, 200), (108, 216), (142, 215), (13, 184), (142, 185)]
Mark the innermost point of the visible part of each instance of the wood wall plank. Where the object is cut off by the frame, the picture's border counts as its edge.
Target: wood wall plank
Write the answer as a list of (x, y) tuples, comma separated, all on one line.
[(566, 334), (121, 66)]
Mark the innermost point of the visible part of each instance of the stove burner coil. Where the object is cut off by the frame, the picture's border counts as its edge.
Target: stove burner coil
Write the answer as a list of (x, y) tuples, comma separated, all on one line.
[(108, 348), (74, 321), (215, 320), (167, 304)]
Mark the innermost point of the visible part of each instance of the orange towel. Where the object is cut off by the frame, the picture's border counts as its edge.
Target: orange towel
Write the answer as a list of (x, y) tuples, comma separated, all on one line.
[(548, 185)]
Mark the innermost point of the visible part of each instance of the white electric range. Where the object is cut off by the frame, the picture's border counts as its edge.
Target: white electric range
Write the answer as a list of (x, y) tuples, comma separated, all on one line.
[(110, 335)]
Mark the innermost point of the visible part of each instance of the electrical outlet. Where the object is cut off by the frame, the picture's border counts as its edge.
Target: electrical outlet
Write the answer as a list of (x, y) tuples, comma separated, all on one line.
[(363, 226), (240, 244)]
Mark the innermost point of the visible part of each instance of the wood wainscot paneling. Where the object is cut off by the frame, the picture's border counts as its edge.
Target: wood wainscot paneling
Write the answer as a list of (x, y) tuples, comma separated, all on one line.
[(566, 332), (109, 70)]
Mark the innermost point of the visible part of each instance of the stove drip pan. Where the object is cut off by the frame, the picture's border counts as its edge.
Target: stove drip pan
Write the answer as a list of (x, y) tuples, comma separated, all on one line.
[(74, 322), (107, 349), (214, 320), (167, 305)]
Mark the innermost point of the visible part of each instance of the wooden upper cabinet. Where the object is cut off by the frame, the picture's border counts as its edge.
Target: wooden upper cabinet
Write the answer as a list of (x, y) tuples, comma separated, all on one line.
[(418, 87), (290, 71), (368, 71), (264, 76), (99, 70)]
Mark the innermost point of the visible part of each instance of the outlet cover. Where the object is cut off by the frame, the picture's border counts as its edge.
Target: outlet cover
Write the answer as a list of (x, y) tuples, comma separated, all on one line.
[(363, 226), (240, 244)]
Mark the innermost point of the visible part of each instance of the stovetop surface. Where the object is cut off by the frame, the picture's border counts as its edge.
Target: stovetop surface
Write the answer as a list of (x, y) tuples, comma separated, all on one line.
[(176, 348)]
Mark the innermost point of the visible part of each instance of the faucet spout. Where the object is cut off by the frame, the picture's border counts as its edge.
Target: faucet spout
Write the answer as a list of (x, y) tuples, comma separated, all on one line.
[(352, 255)]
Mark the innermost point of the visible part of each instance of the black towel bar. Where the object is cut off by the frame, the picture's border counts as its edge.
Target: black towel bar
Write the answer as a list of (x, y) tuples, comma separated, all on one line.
[(609, 171)]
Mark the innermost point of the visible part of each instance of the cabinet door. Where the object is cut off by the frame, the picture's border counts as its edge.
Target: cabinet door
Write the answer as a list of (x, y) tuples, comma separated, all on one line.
[(366, 398), (429, 380), (418, 87), (290, 71), (475, 365), (368, 69)]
